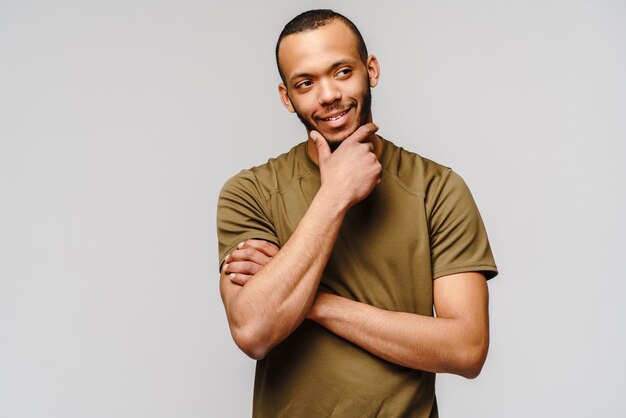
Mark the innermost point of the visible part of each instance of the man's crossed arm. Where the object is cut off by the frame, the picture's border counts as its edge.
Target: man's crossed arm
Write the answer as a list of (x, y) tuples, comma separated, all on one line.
[(456, 341)]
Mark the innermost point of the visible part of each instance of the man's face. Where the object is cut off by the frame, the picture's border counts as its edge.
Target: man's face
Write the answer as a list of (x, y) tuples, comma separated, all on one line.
[(326, 83)]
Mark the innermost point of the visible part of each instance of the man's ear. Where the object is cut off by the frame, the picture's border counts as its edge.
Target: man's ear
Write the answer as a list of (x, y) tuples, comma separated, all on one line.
[(373, 70), (284, 97)]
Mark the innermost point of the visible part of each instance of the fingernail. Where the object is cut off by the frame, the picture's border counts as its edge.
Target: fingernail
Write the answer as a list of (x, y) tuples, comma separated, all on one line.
[(232, 275), (240, 244), (225, 266), (227, 257)]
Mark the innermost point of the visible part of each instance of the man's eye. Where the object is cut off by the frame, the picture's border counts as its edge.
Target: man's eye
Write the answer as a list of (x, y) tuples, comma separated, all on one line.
[(344, 72), (305, 83)]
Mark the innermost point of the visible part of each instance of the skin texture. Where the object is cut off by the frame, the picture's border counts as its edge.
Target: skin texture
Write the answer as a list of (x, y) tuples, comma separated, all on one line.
[(268, 292)]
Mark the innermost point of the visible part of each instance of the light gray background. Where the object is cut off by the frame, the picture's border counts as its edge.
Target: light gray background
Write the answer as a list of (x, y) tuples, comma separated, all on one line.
[(120, 121)]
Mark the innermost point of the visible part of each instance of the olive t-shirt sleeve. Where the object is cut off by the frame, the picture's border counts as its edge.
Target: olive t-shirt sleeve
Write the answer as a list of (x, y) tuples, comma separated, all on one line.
[(458, 239), (242, 213)]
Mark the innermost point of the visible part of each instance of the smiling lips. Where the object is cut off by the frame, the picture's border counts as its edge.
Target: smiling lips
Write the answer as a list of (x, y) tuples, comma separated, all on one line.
[(336, 119)]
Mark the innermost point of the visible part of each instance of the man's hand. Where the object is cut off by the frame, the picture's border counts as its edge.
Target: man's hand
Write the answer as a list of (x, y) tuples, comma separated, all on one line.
[(249, 257), (351, 172)]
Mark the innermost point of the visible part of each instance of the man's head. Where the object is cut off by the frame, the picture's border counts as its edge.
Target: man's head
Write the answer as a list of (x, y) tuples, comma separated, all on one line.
[(314, 19), (326, 73)]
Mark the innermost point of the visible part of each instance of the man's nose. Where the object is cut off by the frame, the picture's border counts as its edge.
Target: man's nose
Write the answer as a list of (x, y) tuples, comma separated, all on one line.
[(329, 92)]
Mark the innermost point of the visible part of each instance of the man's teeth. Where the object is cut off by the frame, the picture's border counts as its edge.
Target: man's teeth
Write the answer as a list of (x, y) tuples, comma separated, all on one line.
[(336, 117)]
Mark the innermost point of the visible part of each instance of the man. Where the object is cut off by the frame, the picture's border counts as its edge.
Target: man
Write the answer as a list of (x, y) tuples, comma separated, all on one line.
[(334, 254)]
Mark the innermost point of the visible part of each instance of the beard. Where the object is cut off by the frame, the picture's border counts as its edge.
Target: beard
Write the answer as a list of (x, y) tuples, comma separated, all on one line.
[(363, 116)]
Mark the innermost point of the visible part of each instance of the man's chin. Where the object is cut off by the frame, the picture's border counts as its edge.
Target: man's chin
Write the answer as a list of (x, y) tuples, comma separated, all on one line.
[(333, 144), (335, 139)]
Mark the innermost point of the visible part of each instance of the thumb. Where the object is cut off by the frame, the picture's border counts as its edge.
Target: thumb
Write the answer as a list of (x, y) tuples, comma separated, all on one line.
[(323, 150)]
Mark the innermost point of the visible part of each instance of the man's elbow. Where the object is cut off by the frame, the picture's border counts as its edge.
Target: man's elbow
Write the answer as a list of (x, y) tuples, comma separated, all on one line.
[(251, 342), (472, 360)]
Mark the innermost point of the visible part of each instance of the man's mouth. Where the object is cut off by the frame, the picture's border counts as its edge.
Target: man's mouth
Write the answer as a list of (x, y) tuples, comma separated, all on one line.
[(336, 116)]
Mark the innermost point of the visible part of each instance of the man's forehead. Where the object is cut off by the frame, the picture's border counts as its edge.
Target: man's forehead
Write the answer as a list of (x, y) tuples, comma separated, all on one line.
[(324, 45)]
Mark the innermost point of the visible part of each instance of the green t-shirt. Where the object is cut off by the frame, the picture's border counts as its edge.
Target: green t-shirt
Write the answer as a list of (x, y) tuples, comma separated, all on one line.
[(419, 223)]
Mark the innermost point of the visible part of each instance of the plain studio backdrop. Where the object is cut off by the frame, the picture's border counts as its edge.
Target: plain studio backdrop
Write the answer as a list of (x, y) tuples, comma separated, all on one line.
[(121, 120)]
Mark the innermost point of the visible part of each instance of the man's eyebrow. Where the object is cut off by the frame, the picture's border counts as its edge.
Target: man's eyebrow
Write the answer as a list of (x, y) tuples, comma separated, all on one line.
[(342, 62), (332, 67), (299, 75)]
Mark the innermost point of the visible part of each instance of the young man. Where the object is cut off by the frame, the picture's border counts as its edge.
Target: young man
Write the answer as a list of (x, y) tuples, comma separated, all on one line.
[(334, 254)]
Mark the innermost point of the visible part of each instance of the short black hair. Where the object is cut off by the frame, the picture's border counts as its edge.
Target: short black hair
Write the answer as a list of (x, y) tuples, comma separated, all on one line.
[(313, 19)]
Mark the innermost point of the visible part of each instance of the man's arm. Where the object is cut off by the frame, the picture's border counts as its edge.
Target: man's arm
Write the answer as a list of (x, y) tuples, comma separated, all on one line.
[(276, 299), (456, 341)]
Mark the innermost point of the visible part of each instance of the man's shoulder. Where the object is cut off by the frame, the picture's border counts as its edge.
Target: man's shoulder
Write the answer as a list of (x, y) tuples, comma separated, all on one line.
[(415, 173), (276, 174)]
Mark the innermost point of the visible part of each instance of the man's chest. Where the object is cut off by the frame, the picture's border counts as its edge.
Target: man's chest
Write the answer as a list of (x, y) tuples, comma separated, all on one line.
[(382, 254)]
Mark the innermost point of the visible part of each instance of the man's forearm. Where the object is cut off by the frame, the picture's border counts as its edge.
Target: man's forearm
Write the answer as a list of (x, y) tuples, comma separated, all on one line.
[(275, 301), (457, 344), (277, 298)]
